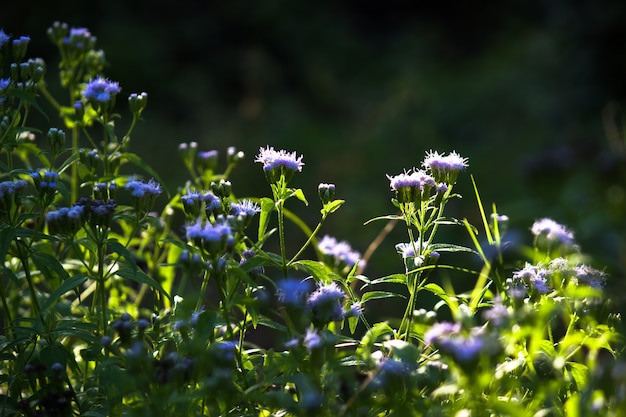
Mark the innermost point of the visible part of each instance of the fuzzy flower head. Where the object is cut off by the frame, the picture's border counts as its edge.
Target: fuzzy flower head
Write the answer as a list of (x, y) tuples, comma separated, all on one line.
[(214, 238), (292, 291), (9, 194), (279, 164), (445, 168), (338, 254), (326, 303), (552, 232), (143, 194), (534, 278), (244, 211), (101, 92), (586, 275), (464, 347), (4, 38), (411, 186)]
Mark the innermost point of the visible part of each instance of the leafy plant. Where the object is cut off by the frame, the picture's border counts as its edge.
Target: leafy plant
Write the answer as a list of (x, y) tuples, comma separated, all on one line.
[(111, 308)]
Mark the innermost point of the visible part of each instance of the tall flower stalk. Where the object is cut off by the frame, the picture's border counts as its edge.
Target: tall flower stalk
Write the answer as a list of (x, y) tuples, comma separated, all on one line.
[(421, 195)]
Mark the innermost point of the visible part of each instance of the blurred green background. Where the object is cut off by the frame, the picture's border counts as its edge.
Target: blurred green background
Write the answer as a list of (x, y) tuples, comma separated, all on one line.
[(531, 92)]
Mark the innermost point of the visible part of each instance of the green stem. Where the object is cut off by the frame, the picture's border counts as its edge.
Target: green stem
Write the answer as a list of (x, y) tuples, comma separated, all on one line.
[(309, 240)]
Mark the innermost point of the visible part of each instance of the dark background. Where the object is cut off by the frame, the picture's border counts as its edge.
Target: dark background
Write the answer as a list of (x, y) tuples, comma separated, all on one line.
[(531, 92)]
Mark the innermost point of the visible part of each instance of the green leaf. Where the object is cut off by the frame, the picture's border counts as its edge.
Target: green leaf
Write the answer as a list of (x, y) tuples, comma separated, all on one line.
[(49, 266), (394, 278), (6, 237), (375, 295), (299, 194), (67, 285), (138, 275), (442, 294), (24, 96), (332, 206), (317, 269), (388, 217), (121, 250), (449, 247), (267, 205)]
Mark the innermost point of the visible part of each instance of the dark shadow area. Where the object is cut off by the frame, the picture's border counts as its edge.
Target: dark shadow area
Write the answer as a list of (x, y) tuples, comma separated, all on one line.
[(532, 93)]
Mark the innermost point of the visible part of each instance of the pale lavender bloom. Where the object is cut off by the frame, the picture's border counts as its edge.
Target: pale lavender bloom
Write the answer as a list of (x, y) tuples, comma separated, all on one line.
[(439, 330), (445, 163), (312, 339), (411, 186), (587, 275), (101, 90), (407, 250), (139, 188), (445, 168), (463, 347), (497, 314), (214, 237), (273, 159), (553, 231), (535, 277), (326, 303), (246, 208), (355, 310), (339, 253)]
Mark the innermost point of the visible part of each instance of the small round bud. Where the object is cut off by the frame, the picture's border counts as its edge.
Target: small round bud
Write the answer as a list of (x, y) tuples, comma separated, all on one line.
[(326, 192)]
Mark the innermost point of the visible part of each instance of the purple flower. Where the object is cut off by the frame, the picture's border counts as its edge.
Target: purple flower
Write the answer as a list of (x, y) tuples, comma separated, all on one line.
[(407, 250), (292, 291), (4, 84), (326, 303), (411, 186), (279, 163), (587, 275), (463, 347), (140, 189), (552, 231), (4, 38), (101, 91), (338, 253), (497, 314), (534, 277), (312, 339), (445, 168), (215, 238), (245, 208)]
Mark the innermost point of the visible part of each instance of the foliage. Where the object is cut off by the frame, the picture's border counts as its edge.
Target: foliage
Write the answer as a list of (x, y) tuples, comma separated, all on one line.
[(111, 308)]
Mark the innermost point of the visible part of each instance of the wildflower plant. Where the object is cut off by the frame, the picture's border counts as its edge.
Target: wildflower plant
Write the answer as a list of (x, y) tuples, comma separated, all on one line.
[(120, 297)]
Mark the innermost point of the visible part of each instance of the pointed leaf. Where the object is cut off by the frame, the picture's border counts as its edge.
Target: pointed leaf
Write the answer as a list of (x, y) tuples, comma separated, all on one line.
[(67, 285), (267, 205)]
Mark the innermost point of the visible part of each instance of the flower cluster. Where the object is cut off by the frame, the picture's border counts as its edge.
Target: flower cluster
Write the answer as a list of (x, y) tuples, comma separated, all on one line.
[(66, 220), (279, 164), (326, 304), (9, 193), (339, 254), (215, 238), (101, 91), (143, 194), (465, 347), (554, 233), (444, 168), (412, 186)]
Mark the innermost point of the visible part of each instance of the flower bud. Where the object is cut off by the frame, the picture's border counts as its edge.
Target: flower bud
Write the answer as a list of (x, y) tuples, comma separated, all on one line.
[(326, 192), (137, 103), (19, 48), (56, 138), (57, 32)]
